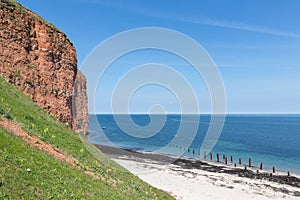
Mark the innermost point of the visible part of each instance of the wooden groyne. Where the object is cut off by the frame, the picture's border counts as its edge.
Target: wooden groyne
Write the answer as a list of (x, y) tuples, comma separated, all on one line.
[(208, 156)]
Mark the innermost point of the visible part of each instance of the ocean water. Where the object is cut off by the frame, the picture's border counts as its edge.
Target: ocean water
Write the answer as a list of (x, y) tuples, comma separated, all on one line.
[(273, 140)]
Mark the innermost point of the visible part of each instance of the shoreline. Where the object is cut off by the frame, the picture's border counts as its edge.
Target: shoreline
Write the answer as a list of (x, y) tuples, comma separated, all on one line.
[(147, 166)]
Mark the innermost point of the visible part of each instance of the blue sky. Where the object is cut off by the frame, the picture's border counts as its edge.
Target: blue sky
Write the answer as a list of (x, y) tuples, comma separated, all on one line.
[(255, 45)]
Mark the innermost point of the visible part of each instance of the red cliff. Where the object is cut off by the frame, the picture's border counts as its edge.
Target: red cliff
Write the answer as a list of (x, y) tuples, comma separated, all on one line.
[(41, 61)]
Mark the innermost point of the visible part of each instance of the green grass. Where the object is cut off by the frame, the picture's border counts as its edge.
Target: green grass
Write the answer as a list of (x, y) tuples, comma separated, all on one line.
[(30, 173), (50, 178)]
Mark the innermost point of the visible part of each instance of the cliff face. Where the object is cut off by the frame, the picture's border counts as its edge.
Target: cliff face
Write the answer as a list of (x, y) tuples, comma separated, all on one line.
[(80, 102), (41, 61)]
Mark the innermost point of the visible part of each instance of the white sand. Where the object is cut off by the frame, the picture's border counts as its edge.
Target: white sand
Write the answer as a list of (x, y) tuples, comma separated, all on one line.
[(198, 184)]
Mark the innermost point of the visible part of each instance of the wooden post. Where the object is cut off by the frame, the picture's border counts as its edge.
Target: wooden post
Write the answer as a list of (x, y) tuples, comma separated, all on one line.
[(240, 161), (204, 154), (193, 152), (274, 170), (231, 159), (261, 166), (289, 173), (218, 157), (223, 156), (199, 152), (245, 167), (250, 162), (210, 155), (234, 164), (226, 160)]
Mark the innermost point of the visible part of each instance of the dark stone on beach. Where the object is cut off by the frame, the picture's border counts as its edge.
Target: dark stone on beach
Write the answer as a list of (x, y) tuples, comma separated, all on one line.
[(197, 164)]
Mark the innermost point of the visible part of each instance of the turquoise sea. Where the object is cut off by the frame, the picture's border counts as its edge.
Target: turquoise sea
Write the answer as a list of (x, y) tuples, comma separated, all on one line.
[(273, 140)]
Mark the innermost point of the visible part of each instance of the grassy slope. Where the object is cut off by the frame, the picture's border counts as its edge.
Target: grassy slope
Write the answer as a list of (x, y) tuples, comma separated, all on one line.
[(52, 178)]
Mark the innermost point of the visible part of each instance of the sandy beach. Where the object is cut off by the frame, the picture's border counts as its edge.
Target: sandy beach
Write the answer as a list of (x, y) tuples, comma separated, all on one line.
[(193, 179)]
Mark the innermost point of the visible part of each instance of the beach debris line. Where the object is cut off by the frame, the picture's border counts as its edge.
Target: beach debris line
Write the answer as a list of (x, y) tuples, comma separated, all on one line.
[(225, 160), (245, 171), (187, 165)]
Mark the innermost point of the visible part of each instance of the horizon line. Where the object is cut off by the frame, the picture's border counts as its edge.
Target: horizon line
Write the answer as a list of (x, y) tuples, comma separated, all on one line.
[(205, 113)]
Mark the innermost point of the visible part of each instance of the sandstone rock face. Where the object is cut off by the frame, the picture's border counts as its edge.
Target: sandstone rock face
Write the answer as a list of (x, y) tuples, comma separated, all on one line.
[(41, 61), (80, 102)]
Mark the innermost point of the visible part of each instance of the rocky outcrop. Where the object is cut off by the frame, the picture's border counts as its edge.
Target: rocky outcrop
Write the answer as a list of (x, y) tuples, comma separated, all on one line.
[(41, 61), (80, 102)]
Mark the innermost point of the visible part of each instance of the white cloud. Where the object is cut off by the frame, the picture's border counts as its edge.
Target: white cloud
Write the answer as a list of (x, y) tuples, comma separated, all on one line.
[(239, 26), (195, 20)]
